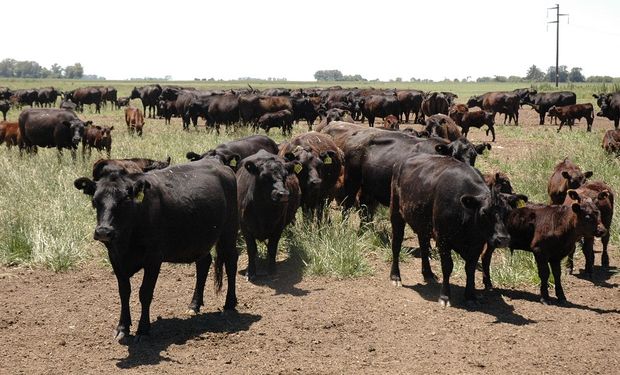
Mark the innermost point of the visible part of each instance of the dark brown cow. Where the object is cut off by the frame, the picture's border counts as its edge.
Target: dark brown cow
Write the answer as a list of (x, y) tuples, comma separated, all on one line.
[(123, 101), (47, 97), (9, 133), (24, 97), (457, 111), (281, 119), (499, 180), (603, 197), (530, 230), (4, 108), (103, 167), (149, 95), (109, 94), (610, 107), (569, 113), (435, 103), (268, 195), (410, 102), (85, 95), (502, 102), (442, 126), (477, 119), (379, 106), (322, 165), (611, 141), (98, 137), (391, 122), (566, 175), (252, 107), (134, 120)]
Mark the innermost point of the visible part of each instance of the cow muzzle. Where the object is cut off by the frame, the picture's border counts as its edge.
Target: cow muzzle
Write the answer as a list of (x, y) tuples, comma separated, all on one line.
[(279, 196), (76, 140), (104, 234), (600, 231), (500, 241)]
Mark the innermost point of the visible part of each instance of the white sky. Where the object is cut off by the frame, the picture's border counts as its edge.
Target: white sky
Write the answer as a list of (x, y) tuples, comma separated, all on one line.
[(384, 39)]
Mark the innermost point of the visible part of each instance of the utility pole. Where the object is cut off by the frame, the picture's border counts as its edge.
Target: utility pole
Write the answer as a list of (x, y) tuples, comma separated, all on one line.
[(557, 41)]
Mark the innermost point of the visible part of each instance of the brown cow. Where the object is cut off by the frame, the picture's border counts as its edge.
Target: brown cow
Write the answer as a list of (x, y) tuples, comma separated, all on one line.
[(529, 229), (442, 126), (9, 133), (499, 179), (566, 175), (103, 167), (502, 102), (4, 108), (457, 111), (435, 103), (611, 141), (569, 113), (391, 122), (477, 119), (281, 119), (602, 195), (97, 137), (134, 119)]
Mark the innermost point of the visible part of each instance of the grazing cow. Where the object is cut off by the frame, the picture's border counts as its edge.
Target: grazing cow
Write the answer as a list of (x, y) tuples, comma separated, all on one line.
[(98, 137), (104, 167), (305, 108), (276, 92), (611, 141), (68, 105), (550, 232), (502, 102), (281, 119), (610, 107), (123, 101), (322, 164), (542, 101), (268, 194), (238, 150), (173, 215), (569, 113), (334, 114), (522, 94), (85, 95), (47, 97), (51, 128), (134, 120), (379, 106), (252, 107), (391, 122), (109, 94), (499, 179), (4, 108), (9, 133), (435, 103), (149, 95), (24, 97), (5, 93), (410, 102), (477, 119), (453, 205), (603, 197), (442, 126), (223, 109), (566, 175)]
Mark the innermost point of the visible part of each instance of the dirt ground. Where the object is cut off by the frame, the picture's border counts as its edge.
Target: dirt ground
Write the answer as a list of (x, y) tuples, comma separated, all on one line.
[(56, 323)]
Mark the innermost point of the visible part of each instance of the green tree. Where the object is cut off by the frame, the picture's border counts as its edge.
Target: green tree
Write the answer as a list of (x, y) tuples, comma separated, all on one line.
[(575, 75), (534, 74), (328, 75), (75, 71), (562, 76)]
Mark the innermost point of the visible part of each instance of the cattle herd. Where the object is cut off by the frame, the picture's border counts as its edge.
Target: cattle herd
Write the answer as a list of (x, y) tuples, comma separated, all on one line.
[(149, 212)]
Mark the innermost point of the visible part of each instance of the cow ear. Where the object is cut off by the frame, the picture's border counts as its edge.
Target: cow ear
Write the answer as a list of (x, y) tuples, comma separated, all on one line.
[(88, 123), (573, 195), (138, 189), (294, 167), (233, 161), (588, 174), (566, 175), (97, 127), (443, 150), (603, 195), (85, 184), (192, 156), (470, 201), (576, 208), (595, 96), (66, 123), (480, 148), (111, 128), (251, 167), (289, 156)]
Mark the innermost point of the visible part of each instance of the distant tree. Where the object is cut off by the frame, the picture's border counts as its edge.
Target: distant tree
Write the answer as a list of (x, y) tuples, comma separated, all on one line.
[(7, 68), (515, 79), (456, 80), (56, 71), (534, 74), (398, 79), (328, 75), (74, 71), (483, 79), (500, 79), (562, 77), (575, 75), (600, 79)]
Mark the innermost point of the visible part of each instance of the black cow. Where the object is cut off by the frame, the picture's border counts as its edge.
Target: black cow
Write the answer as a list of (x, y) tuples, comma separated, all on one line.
[(25, 96), (542, 101), (85, 95), (610, 107), (47, 97), (51, 128), (4, 107), (238, 150), (224, 110), (149, 95), (109, 94), (453, 205), (268, 195), (104, 167), (173, 215), (379, 106)]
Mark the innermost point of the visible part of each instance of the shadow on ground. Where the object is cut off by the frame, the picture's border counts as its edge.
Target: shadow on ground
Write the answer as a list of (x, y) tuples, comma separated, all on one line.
[(289, 274)]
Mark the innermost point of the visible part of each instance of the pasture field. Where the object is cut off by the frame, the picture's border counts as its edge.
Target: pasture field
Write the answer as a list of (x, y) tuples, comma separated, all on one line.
[(331, 308)]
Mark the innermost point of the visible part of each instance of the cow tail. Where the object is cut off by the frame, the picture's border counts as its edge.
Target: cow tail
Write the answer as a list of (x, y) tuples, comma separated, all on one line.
[(219, 266)]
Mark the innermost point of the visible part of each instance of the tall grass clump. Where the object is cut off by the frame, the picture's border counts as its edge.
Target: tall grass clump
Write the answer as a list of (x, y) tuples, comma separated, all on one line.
[(336, 248)]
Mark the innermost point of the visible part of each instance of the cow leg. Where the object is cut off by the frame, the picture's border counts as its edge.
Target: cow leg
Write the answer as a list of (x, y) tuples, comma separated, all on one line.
[(492, 129), (588, 252), (570, 264), (616, 122), (398, 233), (470, 284), (556, 268), (589, 120), (486, 256), (562, 124), (227, 249), (541, 115), (446, 269), (543, 274), (272, 250), (151, 272), (202, 270), (605, 255), (252, 251), (124, 292)]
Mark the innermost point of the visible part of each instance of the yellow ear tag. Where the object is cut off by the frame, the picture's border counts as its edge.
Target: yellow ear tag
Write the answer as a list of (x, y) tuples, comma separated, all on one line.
[(520, 203), (233, 162), (327, 160), (139, 197), (297, 168)]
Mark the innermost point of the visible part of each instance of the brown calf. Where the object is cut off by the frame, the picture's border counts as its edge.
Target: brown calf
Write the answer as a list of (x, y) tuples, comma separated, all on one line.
[(97, 137), (611, 141), (134, 119), (442, 126), (499, 179), (477, 119), (603, 197), (9, 133), (566, 175), (569, 113), (457, 111), (391, 122)]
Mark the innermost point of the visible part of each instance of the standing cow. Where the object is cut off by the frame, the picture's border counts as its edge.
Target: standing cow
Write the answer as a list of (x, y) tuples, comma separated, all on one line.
[(149, 95), (134, 120)]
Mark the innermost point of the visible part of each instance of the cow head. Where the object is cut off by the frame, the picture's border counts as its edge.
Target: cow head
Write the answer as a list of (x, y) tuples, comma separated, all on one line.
[(271, 173), (553, 111), (575, 178), (310, 176), (474, 101), (223, 155), (76, 128), (491, 210), (106, 132), (116, 197), (462, 149), (588, 215)]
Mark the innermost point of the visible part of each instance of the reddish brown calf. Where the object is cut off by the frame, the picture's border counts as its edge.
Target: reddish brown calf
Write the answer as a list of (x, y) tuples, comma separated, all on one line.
[(134, 119), (566, 175), (569, 113)]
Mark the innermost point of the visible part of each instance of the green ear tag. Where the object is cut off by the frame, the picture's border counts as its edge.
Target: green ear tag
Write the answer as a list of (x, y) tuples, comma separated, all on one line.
[(327, 160), (233, 162), (140, 197), (297, 168), (520, 203)]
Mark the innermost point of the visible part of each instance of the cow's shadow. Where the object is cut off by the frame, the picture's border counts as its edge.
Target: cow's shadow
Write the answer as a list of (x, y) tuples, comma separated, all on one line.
[(289, 273), (490, 303), (178, 331), (535, 298), (600, 276)]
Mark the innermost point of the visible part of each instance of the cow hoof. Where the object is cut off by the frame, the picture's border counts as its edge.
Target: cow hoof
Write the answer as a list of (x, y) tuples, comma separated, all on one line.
[(119, 336), (191, 312), (444, 302), (397, 283), (430, 277), (544, 301), (562, 302)]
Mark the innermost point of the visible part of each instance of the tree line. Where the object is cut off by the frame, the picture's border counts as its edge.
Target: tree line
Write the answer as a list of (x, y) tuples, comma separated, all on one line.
[(12, 68)]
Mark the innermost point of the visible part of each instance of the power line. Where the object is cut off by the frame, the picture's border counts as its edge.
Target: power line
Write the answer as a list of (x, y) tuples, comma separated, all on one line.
[(557, 40)]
